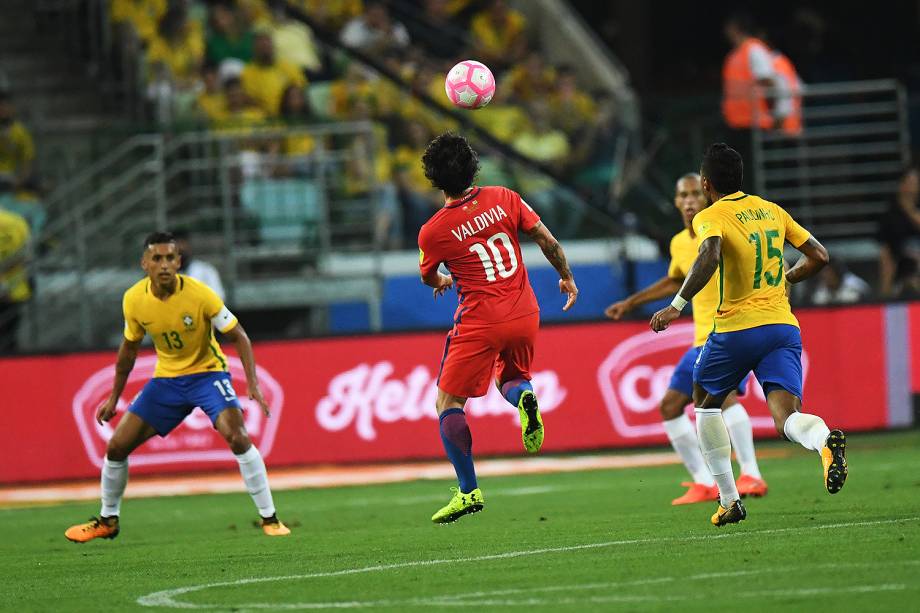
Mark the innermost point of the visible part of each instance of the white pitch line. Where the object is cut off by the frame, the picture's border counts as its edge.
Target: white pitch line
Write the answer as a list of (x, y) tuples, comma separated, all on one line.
[(166, 598)]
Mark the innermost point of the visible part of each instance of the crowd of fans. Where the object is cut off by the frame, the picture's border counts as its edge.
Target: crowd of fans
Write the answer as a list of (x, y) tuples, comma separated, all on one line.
[(241, 64)]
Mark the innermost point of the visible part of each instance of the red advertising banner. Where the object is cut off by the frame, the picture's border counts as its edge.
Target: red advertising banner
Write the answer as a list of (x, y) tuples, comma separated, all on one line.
[(372, 398)]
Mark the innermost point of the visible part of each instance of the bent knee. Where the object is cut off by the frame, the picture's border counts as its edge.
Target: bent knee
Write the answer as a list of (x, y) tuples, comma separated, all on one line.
[(238, 441), (116, 452)]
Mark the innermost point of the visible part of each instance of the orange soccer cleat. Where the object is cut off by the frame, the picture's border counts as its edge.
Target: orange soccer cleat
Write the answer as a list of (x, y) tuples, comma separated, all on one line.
[(96, 527), (697, 492), (732, 515), (272, 526), (751, 486), (834, 459)]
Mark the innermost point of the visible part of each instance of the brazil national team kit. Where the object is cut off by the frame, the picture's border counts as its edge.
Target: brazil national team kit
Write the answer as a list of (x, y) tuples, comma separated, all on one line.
[(754, 328)]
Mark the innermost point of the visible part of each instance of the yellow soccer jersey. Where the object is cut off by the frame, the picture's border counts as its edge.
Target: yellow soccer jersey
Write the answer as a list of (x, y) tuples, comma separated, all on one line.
[(751, 272), (683, 253), (180, 326)]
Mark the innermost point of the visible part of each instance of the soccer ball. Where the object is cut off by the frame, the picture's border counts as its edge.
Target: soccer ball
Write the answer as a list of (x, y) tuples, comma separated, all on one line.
[(470, 85)]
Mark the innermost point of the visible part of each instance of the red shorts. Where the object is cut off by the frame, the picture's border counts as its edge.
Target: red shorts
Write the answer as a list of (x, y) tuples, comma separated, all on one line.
[(473, 353)]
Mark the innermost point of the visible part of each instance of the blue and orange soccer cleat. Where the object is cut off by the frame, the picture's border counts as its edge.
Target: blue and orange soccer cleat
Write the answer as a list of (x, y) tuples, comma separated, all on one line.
[(95, 528), (834, 459)]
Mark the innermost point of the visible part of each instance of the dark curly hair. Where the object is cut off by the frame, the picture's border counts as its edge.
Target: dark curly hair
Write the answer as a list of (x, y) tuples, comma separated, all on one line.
[(724, 168), (450, 163)]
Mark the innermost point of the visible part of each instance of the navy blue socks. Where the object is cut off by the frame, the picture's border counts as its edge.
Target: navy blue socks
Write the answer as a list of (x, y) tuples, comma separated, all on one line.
[(512, 390), (458, 443)]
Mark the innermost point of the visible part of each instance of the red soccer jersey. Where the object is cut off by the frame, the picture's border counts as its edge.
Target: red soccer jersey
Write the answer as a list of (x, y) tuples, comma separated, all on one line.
[(476, 237)]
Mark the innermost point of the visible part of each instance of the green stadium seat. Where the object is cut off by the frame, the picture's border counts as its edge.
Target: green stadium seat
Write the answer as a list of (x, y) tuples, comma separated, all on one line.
[(287, 210)]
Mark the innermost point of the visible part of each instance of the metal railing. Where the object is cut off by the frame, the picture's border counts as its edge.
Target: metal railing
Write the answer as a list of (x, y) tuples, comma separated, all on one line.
[(839, 175), (265, 218)]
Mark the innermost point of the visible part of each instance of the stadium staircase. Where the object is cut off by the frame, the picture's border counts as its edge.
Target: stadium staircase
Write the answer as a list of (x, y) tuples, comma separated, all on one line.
[(839, 176)]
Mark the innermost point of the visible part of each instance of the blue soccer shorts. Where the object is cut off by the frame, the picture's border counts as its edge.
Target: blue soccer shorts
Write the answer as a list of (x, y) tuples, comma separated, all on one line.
[(166, 401), (773, 352), (682, 377)]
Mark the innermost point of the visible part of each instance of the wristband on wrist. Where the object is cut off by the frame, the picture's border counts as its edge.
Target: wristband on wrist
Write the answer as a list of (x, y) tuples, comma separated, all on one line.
[(678, 303)]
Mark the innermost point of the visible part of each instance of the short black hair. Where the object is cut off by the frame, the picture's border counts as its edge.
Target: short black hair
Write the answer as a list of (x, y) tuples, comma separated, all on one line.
[(450, 163), (724, 168), (158, 238)]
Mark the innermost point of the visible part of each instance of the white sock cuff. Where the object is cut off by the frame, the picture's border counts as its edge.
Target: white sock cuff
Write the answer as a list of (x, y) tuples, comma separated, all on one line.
[(702, 411), (114, 463), (250, 455), (735, 414), (790, 423), (679, 426)]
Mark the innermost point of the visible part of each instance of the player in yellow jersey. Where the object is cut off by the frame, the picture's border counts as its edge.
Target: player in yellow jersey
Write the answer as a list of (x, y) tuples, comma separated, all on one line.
[(178, 313), (689, 200), (742, 236)]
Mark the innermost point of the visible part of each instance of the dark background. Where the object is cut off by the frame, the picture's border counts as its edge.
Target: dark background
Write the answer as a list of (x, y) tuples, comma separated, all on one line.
[(678, 47)]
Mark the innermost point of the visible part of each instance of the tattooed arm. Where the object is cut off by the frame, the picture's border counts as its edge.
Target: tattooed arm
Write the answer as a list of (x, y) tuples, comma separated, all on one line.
[(554, 254)]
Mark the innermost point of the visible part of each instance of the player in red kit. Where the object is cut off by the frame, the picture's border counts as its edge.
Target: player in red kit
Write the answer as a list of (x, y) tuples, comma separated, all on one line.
[(475, 236)]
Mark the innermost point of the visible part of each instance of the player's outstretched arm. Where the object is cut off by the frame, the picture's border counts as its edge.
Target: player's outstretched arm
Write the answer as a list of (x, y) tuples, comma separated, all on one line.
[(237, 335), (663, 287), (705, 265), (554, 254), (127, 354), (814, 258)]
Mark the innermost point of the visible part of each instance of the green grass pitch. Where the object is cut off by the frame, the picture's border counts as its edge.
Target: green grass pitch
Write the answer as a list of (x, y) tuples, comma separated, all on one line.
[(597, 540)]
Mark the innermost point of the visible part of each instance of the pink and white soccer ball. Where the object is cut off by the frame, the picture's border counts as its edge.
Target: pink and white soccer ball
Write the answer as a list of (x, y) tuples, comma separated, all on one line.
[(470, 84)]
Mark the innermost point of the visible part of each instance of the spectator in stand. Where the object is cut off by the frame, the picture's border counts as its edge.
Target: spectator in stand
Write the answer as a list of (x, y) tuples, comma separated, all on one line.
[(211, 101), (499, 36), (296, 147), (571, 110), (375, 31), (505, 119), (196, 268), (369, 173), (294, 41), (544, 144), (437, 31), (17, 150), (266, 77), (418, 198), (178, 46), (143, 16), (356, 85), (747, 73), (15, 289), (596, 151), (229, 36), (331, 14), (242, 115), (837, 285), (532, 78), (899, 236)]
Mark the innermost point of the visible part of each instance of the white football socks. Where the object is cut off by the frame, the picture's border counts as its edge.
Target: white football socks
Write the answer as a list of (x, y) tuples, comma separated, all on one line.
[(114, 480), (683, 440), (717, 451), (808, 430), (252, 467), (739, 428)]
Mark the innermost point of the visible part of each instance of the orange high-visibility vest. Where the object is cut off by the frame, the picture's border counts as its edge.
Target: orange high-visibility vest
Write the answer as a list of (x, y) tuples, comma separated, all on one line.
[(792, 124), (741, 96)]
